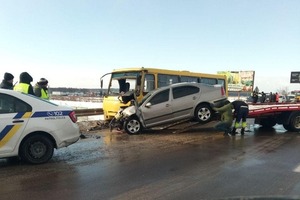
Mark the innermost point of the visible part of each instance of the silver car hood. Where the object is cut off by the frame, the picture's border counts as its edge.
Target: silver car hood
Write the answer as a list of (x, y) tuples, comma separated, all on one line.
[(129, 111)]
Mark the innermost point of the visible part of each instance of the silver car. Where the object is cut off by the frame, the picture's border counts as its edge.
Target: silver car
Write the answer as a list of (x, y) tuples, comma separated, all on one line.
[(173, 103)]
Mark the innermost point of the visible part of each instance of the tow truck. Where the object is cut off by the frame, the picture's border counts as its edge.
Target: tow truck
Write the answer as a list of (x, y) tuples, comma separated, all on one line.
[(270, 114), (265, 114)]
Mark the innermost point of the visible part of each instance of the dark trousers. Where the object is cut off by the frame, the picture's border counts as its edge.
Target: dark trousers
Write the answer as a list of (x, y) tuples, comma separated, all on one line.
[(242, 114), (223, 126)]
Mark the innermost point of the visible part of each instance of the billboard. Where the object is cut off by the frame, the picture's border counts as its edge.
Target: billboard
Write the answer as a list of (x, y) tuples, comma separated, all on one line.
[(295, 77), (239, 81)]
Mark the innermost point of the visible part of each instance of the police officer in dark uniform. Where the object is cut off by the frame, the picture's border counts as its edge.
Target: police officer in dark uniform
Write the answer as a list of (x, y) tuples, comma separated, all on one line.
[(24, 84), (7, 82), (41, 89), (241, 111)]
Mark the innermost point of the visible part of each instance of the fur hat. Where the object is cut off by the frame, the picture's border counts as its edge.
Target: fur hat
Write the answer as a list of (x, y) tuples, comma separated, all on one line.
[(43, 81), (8, 76), (25, 78)]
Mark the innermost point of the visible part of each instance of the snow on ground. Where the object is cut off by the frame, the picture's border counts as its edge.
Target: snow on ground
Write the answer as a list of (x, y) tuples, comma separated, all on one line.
[(78, 104), (82, 105)]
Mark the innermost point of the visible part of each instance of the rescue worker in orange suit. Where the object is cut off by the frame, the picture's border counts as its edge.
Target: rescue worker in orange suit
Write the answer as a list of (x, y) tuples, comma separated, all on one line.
[(241, 111), (7, 82), (41, 89), (24, 84)]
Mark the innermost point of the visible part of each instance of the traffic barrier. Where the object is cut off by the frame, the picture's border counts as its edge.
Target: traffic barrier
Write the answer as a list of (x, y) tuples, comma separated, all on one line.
[(88, 112)]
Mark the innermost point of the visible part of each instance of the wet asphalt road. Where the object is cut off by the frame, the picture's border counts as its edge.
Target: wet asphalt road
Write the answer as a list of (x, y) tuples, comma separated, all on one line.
[(197, 164)]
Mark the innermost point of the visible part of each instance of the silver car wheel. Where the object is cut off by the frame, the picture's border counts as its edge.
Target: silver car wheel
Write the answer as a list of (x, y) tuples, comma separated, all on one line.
[(204, 114), (133, 126)]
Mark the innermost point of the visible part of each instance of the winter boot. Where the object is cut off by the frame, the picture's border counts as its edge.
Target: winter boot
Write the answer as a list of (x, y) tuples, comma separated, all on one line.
[(243, 131), (233, 131)]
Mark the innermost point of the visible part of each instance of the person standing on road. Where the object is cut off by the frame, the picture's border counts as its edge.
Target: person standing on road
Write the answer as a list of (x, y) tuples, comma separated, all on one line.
[(226, 118), (41, 89), (276, 97), (7, 82), (263, 97), (241, 111), (24, 84), (255, 97), (271, 97)]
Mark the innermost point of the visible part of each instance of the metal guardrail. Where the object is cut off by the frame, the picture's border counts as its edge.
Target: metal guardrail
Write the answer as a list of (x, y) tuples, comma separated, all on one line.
[(88, 112)]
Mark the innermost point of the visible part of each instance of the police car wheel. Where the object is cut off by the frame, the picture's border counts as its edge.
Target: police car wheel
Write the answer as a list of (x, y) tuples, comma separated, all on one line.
[(36, 149), (268, 122)]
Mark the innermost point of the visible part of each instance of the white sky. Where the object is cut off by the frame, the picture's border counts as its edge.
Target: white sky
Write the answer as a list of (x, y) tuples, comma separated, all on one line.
[(73, 42)]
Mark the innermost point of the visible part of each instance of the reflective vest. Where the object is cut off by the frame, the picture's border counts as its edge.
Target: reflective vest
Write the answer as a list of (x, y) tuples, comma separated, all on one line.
[(44, 94), (22, 87)]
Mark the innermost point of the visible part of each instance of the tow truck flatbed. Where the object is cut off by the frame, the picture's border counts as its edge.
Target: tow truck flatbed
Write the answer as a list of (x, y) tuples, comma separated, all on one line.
[(267, 115)]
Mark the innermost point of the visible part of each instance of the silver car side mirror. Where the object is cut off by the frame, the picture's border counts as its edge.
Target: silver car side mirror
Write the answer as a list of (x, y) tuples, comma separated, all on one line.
[(148, 105)]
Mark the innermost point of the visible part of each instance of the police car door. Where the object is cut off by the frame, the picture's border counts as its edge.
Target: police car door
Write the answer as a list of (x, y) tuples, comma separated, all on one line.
[(14, 115)]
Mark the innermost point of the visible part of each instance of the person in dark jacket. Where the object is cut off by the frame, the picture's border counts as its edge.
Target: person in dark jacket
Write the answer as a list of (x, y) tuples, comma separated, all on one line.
[(263, 97), (7, 82), (271, 97), (24, 84), (41, 89), (226, 118), (255, 97), (241, 111)]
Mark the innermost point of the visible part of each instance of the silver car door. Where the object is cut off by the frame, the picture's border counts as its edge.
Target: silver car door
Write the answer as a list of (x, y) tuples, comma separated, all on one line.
[(184, 100), (157, 109)]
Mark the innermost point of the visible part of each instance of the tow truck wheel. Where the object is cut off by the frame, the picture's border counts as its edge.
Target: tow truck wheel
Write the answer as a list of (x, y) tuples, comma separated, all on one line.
[(203, 113), (268, 123), (287, 127), (294, 124), (36, 149), (132, 126)]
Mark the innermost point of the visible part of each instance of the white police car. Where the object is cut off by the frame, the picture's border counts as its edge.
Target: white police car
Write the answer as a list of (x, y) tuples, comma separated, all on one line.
[(31, 127)]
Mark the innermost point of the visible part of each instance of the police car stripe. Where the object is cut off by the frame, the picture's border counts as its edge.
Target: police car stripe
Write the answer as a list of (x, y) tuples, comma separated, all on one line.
[(10, 130), (27, 115), (20, 115), (7, 133), (41, 114), (50, 114)]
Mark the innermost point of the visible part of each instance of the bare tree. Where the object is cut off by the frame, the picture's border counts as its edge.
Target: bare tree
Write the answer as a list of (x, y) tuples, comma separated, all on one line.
[(283, 90)]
